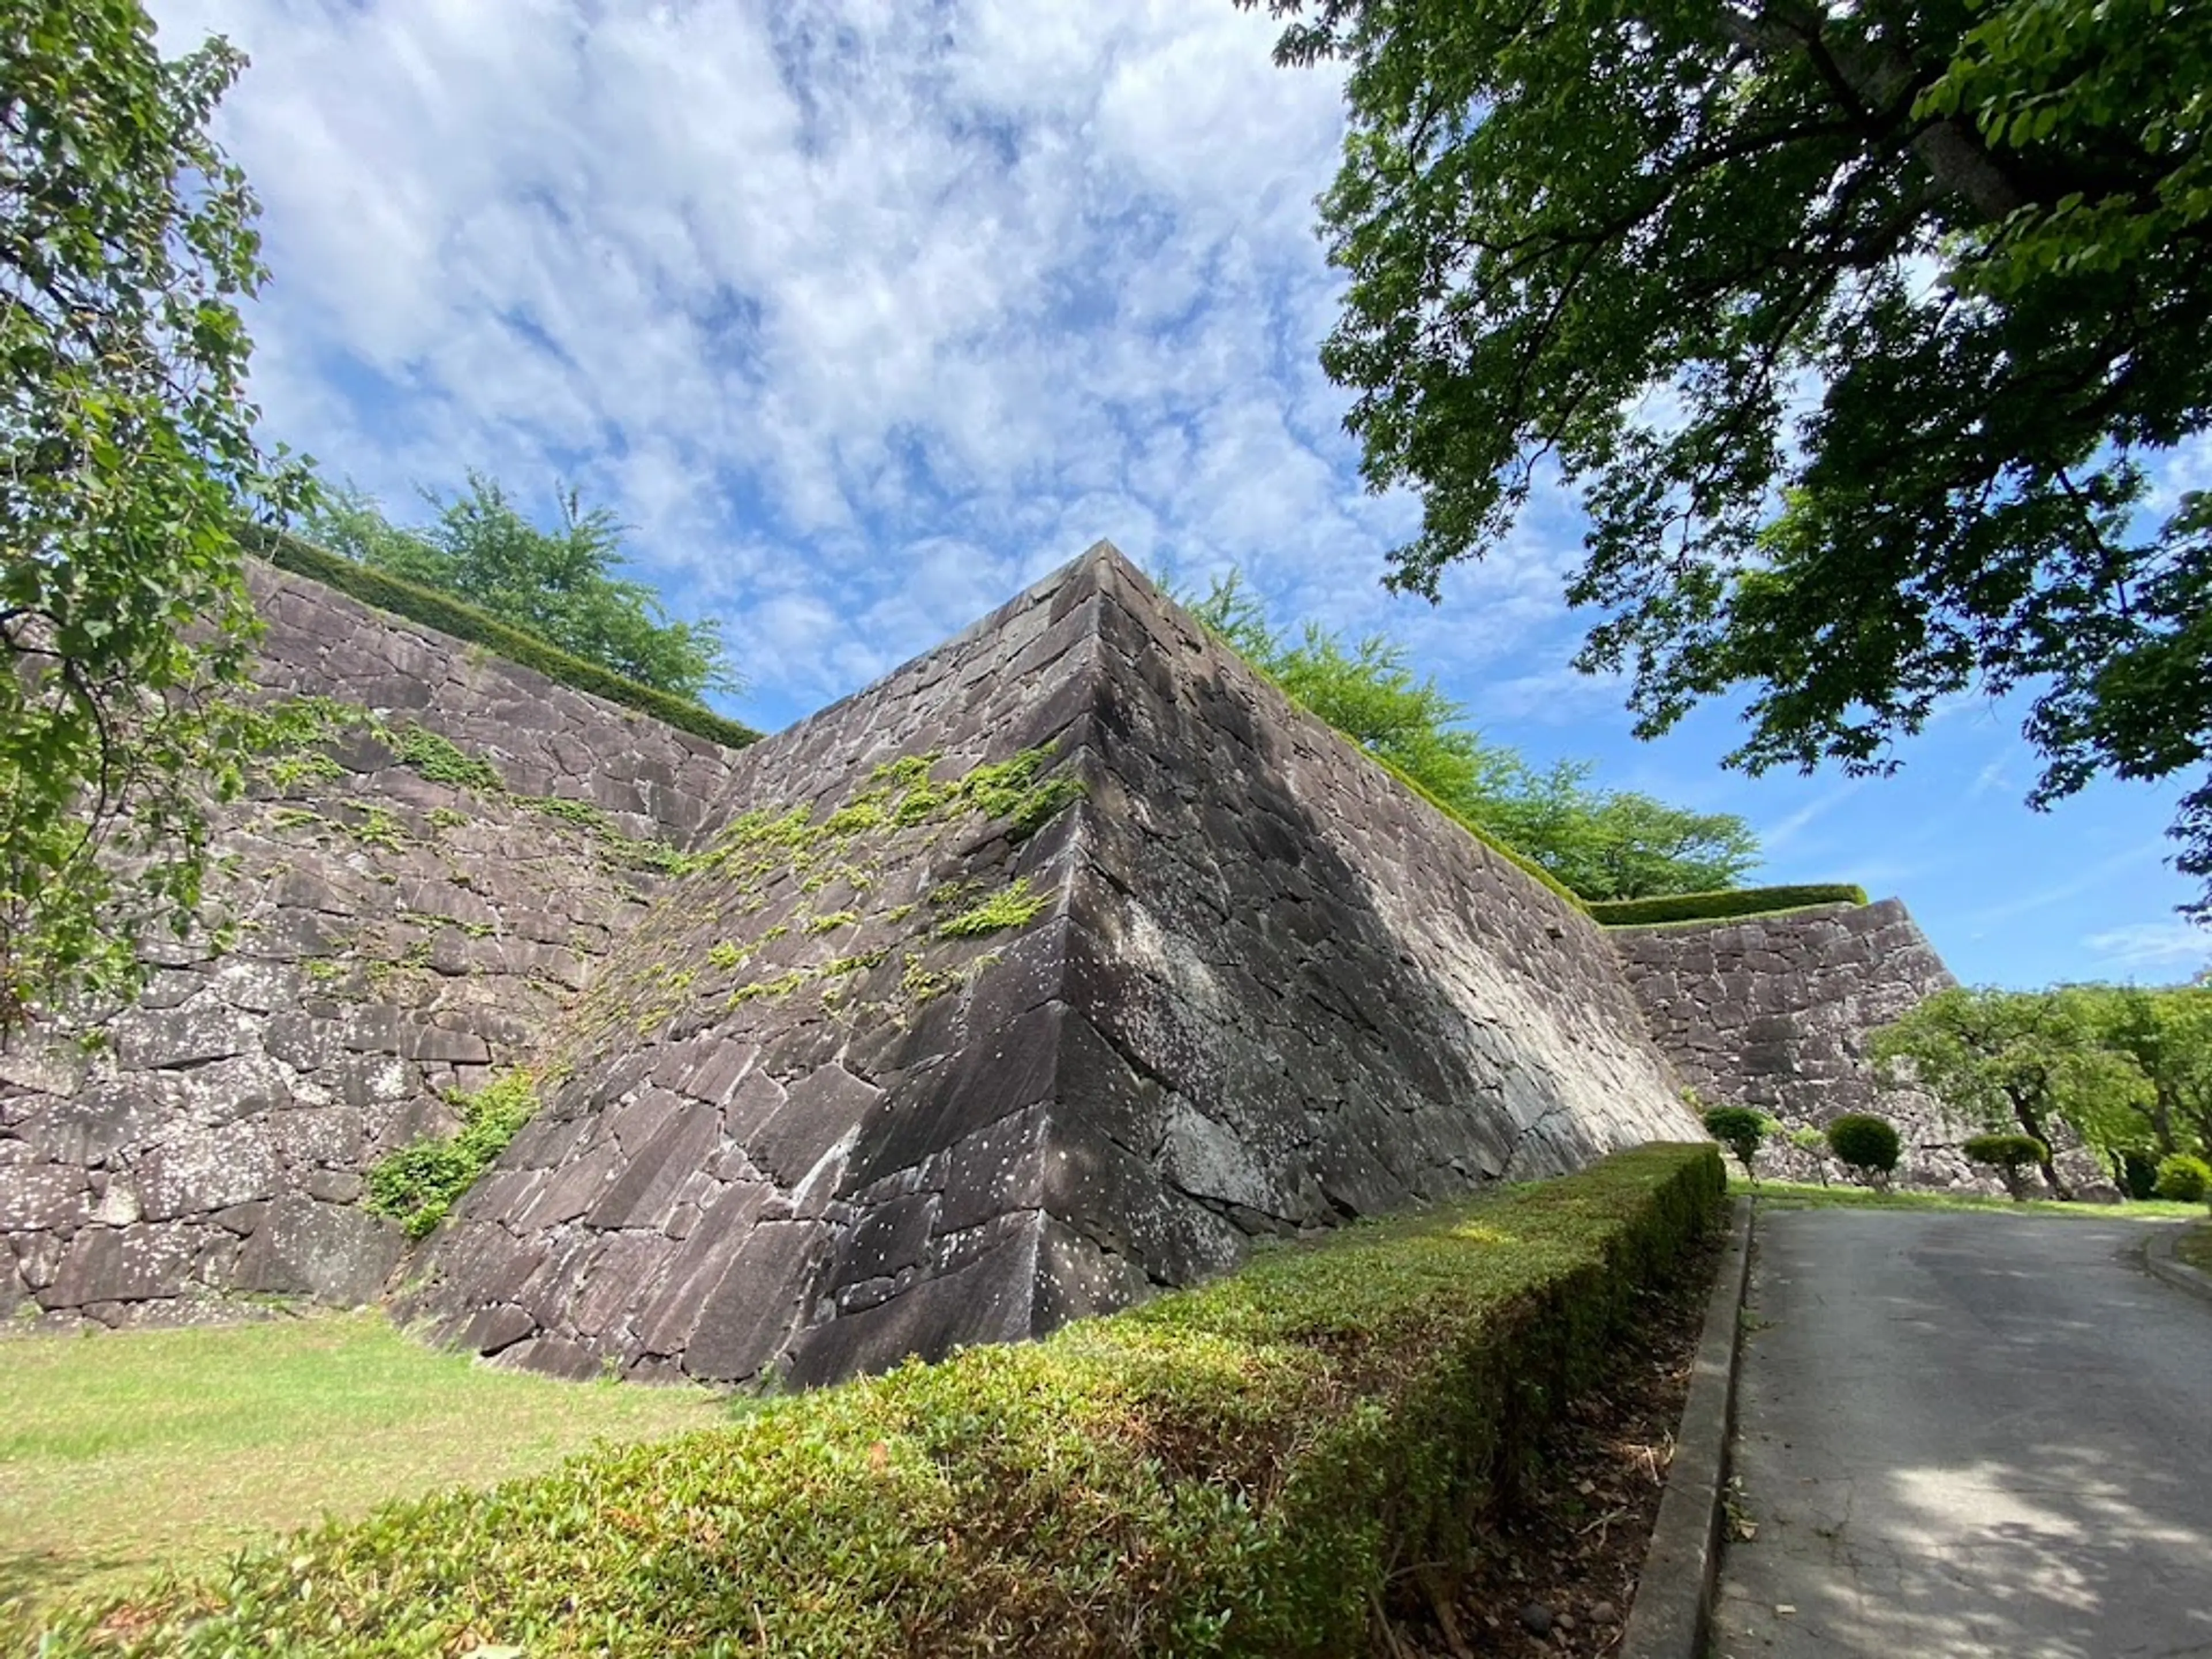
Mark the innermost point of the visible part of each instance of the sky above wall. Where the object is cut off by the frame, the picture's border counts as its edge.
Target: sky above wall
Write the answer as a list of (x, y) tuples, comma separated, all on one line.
[(865, 315)]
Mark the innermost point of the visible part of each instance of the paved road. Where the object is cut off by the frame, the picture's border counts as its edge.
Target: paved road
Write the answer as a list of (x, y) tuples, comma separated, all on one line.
[(1984, 1434)]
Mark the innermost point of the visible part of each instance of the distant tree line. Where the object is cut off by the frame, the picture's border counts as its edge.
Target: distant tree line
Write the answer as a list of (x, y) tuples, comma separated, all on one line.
[(1600, 843)]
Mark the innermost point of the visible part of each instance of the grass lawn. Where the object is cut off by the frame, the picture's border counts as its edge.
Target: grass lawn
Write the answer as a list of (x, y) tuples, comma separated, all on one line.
[(1799, 1195), (2195, 1247), (120, 1451)]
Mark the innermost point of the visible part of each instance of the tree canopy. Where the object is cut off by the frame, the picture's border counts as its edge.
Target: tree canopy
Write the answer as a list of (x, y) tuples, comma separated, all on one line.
[(1859, 329), (1599, 843), (127, 456), (2127, 1070), (559, 584)]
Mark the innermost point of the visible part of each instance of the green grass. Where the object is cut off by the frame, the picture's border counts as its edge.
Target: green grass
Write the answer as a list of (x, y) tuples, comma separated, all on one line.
[(120, 1451), (1806, 1195), (1244, 1468), (2195, 1247)]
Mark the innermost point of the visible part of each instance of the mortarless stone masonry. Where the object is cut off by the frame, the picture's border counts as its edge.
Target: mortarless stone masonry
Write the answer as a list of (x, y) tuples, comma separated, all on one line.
[(1265, 988), (1775, 1012), (949, 1055)]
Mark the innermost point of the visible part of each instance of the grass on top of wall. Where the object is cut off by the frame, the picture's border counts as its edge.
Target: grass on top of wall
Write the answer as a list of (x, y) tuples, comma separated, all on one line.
[(1242, 1468), (1716, 906), (449, 614)]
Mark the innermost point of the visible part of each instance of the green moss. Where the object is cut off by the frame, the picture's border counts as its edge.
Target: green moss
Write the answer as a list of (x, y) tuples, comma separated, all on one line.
[(1012, 906), (291, 771), (830, 922), (447, 817), (581, 813), (377, 829), (292, 818), (782, 985), (1241, 1469), (727, 956), (416, 1185), (441, 760)]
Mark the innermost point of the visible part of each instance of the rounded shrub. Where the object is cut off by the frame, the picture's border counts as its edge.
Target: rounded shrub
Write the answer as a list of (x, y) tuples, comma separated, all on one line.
[(1862, 1141), (2183, 1179), (2009, 1155), (1738, 1128)]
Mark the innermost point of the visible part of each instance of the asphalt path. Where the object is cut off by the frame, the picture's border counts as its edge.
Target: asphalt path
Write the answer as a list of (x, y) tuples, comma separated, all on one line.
[(1969, 1435)]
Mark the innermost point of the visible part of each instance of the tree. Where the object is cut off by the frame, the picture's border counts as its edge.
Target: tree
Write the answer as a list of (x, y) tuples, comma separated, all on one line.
[(2028, 1060), (1858, 328), (1602, 844), (2009, 1155), (1866, 1143), (2167, 1032), (1617, 844), (127, 456), (1741, 1129), (558, 584)]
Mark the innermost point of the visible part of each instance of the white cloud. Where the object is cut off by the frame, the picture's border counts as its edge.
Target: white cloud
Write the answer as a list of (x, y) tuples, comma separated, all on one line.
[(2175, 949)]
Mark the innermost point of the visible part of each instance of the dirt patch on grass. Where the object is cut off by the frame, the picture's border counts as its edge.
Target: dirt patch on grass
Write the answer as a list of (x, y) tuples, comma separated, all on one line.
[(1554, 1577)]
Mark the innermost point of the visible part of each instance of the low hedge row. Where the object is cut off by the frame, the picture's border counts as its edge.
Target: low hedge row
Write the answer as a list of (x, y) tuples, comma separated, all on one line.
[(1241, 1469), (1714, 907), (463, 621)]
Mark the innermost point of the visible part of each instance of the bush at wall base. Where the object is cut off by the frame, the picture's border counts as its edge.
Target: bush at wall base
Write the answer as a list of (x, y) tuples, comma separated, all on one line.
[(2183, 1179), (2010, 1155), (1866, 1144), (1741, 1129)]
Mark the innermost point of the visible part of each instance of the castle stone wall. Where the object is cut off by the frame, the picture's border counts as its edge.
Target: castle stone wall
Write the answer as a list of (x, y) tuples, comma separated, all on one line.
[(1265, 989), (1776, 1012), (397, 938)]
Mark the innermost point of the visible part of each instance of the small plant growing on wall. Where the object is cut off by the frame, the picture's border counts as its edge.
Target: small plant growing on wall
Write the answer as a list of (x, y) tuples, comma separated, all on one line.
[(1741, 1130), (1866, 1144), (2011, 1155)]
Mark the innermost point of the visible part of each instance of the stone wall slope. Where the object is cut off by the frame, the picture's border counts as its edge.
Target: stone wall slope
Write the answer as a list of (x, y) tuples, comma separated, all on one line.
[(409, 917), (1776, 1012), (1248, 985)]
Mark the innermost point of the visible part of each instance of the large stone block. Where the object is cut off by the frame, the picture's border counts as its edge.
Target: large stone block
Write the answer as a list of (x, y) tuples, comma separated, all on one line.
[(893, 1072)]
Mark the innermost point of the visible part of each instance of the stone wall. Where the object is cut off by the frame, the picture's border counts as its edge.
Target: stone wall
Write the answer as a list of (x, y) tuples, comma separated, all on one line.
[(1247, 985), (1775, 1013), (400, 935), (546, 739)]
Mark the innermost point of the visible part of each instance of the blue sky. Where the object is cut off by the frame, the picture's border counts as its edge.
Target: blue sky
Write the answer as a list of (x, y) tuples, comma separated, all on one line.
[(864, 314)]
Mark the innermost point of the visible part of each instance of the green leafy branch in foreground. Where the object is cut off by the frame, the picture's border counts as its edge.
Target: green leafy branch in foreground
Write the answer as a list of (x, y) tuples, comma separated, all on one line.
[(1243, 1469), (419, 1183), (1599, 843)]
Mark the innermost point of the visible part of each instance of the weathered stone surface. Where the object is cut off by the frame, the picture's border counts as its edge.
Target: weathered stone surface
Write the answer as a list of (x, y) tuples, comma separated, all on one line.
[(1776, 1012), (1259, 987), (398, 937), (331, 1252)]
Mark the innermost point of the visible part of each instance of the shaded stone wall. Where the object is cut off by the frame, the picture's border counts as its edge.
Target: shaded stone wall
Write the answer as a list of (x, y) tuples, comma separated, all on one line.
[(398, 937), (1263, 988), (1775, 1013), (546, 739)]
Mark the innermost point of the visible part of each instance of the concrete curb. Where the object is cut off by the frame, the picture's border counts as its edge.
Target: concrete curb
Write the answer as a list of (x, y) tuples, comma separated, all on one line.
[(1674, 1605), (2158, 1257)]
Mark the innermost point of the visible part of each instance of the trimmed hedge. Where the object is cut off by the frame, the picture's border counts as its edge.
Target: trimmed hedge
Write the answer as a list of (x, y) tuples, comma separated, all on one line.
[(1713, 907), (442, 611), (1242, 1468)]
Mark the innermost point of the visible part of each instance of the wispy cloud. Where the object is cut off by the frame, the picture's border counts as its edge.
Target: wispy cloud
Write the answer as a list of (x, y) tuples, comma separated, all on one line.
[(2174, 948), (863, 314)]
